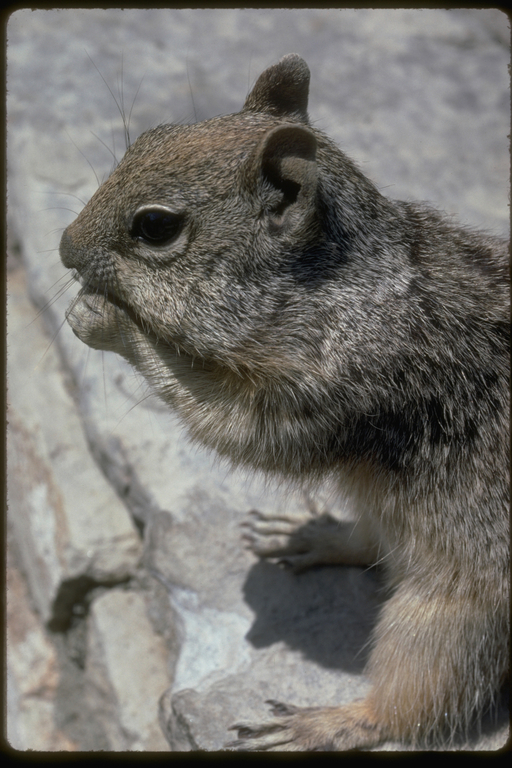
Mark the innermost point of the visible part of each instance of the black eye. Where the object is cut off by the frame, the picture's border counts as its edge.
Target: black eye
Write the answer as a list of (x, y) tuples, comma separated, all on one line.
[(156, 226)]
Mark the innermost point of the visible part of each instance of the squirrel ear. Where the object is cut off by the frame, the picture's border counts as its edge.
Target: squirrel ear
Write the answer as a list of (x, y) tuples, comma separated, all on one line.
[(287, 159), (282, 89)]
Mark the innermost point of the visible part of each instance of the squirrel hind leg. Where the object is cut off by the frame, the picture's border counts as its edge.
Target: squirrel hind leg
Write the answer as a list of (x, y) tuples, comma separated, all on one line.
[(310, 729), (435, 667), (304, 542), (437, 664)]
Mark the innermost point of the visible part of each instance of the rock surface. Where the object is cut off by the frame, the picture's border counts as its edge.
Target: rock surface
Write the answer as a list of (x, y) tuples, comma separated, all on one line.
[(127, 581)]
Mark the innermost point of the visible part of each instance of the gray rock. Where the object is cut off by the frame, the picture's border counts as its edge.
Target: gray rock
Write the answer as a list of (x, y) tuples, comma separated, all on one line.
[(33, 676), (420, 99), (126, 672), (72, 529)]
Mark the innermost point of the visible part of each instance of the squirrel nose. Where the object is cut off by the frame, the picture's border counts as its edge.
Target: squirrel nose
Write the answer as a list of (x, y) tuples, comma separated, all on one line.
[(66, 250)]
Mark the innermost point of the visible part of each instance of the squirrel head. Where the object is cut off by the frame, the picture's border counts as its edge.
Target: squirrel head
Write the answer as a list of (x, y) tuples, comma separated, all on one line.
[(196, 227)]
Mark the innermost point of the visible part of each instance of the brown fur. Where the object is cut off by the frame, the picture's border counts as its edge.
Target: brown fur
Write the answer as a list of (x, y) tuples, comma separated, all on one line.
[(302, 324)]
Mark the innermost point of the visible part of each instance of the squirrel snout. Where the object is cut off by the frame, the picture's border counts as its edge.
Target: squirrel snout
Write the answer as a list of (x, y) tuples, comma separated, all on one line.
[(67, 251)]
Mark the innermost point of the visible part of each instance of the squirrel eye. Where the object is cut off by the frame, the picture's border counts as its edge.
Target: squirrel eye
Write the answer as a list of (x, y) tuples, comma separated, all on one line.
[(156, 226)]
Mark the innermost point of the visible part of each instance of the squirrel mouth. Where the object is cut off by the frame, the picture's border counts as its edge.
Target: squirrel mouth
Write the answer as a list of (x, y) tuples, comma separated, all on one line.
[(104, 321), (95, 288), (91, 287), (101, 319)]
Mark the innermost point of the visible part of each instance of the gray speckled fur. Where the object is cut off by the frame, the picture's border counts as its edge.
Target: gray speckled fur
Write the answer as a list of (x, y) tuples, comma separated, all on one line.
[(303, 324)]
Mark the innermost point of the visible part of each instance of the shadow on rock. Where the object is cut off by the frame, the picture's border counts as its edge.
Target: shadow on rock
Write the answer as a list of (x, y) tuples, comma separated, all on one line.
[(327, 613)]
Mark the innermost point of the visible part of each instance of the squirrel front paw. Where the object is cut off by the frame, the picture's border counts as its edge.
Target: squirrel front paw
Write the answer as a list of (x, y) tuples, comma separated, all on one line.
[(300, 543), (283, 538)]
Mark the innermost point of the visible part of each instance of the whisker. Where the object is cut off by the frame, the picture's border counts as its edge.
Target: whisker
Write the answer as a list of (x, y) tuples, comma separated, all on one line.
[(106, 84), (133, 104), (118, 102), (70, 279), (120, 90), (85, 158), (84, 370), (107, 148), (52, 232), (51, 342), (59, 208), (191, 93), (66, 194), (51, 302), (67, 282), (50, 250)]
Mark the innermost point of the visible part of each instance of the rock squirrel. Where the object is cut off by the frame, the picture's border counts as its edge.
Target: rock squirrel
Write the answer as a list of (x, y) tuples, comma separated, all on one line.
[(302, 324)]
